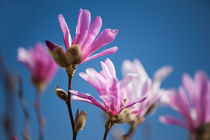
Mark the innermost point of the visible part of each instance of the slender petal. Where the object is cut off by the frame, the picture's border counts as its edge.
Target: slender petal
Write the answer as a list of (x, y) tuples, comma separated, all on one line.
[(106, 37), (172, 120), (65, 30), (105, 52)]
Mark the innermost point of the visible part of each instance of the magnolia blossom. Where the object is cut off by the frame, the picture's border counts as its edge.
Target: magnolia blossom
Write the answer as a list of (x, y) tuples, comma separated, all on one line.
[(108, 88), (84, 43), (39, 63), (192, 101), (142, 83)]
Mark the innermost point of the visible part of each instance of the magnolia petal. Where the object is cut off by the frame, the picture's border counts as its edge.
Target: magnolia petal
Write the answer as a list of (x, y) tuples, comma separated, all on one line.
[(105, 52), (202, 84), (131, 103), (105, 37), (92, 33), (111, 67), (172, 120), (25, 58), (88, 97), (82, 27), (65, 30)]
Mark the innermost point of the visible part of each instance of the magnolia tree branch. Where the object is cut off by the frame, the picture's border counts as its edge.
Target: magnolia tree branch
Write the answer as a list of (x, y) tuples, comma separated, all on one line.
[(26, 132), (39, 115)]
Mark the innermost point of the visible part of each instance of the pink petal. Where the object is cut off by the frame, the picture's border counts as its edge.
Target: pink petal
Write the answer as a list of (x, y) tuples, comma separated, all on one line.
[(25, 58), (65, 30), (82, 27), (131, 103), (105, 37), (105, 52), (172, 120), (202, 84), (111, 67), (189, 87), (110, 102), (92, 33), (95, 79), (89, 97)]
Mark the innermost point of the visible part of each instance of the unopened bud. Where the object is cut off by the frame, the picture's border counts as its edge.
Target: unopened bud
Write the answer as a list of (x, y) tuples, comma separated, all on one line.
[(203, 132), (74, 55), (61, 94), (58, 56), (80, 120)]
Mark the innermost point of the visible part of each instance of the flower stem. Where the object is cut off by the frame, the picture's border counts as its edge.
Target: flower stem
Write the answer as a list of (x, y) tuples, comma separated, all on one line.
[(39, 115), (26, 132), (68, 101), (108, 126), (130, 132)]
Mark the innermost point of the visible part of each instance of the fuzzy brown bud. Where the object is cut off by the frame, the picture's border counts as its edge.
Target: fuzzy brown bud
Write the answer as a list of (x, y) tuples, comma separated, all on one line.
[(74, 55), (203, 132), (80, 120), (61, 94), (58, 56)]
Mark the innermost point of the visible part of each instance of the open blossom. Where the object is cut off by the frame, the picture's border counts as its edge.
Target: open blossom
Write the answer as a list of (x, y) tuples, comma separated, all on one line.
[(108, 88), (39, 63), (142, 83), (84, 43), (192, 101)]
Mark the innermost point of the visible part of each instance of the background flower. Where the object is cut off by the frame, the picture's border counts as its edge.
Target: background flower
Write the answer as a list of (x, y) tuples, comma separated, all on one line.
[(192, 101)]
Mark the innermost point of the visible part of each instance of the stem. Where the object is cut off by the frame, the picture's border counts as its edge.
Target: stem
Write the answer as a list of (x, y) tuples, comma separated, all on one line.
[(39, 115), (26, 133), (130, 132), (108, 126), (68, 101)]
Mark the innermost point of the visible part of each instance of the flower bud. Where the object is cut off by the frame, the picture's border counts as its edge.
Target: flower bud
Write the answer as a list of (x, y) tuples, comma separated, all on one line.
[(74, 55), (80, 120), (203, 132), (58, 56), (61, 94)]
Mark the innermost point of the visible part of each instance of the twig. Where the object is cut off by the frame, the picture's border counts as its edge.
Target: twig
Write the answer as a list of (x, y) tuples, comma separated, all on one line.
[(108, 126), (39, 115), (68, 101), (26, 132)]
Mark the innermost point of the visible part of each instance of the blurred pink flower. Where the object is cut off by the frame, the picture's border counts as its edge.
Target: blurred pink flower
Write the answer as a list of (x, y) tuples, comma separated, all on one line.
[(86, 36), (192, 101), (39, 63), (108, 87), (14, 138), (142, 85)]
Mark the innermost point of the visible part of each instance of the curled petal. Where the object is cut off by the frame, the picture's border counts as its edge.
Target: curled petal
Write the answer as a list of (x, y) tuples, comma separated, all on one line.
[(90, 98)]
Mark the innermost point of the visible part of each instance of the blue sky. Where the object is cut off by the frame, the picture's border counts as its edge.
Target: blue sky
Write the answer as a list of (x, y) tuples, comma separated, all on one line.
[(158, 33)]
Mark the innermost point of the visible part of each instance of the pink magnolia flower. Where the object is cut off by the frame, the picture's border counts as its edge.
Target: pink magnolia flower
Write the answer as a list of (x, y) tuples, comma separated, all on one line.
[(108, 87), (192, 101), (142, 85), (86, 38), (39, 63)]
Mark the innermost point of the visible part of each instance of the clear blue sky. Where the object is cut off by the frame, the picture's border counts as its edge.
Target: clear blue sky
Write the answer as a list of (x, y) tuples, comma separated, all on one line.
[(163, 32)]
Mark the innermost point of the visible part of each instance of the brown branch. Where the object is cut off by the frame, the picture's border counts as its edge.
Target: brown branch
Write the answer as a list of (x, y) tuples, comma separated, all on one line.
[(39, 115), (108, 126), (26, 132)]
